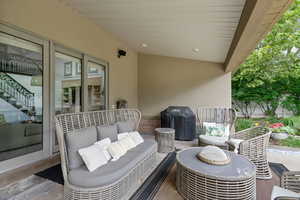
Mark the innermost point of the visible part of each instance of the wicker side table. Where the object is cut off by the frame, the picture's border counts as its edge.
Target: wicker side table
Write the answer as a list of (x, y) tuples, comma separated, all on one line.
[(196, 180), (165, 139)]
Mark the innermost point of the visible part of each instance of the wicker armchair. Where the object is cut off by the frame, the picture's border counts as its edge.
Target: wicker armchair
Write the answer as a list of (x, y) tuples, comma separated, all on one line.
[(119, 190), (254, 143), (289, 186), (226, 116)]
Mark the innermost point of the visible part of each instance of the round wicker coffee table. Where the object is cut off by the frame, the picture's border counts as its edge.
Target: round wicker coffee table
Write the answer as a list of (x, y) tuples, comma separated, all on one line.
[(165, 138), (198, 180)]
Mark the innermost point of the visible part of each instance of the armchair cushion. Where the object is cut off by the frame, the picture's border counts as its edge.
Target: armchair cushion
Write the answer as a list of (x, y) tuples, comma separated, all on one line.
[(213, 140), (108, 131), (76, 140), (281, 193), (235, 143)]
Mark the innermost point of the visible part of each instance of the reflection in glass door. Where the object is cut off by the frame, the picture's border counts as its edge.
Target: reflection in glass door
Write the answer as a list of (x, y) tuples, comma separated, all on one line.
[(67, 84), (96, 86), (21, 97)]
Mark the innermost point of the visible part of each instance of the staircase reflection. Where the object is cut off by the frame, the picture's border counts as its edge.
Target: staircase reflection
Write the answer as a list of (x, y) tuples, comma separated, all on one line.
[(20, 126)]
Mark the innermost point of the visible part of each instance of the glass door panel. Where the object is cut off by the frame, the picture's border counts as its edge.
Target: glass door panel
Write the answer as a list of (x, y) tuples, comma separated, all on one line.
[(21, 97), (96, 86), (67, 84)]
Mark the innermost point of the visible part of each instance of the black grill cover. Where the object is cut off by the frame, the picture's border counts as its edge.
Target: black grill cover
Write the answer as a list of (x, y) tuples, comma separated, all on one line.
[(182, 119)]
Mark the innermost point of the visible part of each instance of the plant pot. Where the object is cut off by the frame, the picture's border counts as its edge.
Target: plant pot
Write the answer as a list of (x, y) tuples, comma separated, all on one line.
[(279, 136)]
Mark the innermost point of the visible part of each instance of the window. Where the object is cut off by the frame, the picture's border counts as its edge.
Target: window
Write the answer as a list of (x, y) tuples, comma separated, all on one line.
[(67, 83)]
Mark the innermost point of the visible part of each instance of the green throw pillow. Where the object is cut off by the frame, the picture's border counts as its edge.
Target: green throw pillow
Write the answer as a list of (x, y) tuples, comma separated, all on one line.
[(214, 129)]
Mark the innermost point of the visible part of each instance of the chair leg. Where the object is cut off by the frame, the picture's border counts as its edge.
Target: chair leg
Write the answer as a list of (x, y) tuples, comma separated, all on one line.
[(263, 170)]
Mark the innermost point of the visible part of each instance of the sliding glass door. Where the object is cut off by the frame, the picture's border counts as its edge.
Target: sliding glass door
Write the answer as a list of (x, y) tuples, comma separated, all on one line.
[(67, 83), (22, 107), (32, 93), (96, 86)]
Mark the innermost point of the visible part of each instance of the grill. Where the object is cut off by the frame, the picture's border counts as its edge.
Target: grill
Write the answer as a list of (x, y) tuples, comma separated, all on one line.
[(182, 119)]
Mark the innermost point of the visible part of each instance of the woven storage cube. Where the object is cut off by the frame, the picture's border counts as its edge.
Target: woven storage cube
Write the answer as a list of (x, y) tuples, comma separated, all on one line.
[(165, 138)]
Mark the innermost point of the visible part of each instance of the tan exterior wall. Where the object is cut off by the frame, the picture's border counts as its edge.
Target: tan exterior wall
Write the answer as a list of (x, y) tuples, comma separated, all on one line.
[(165, 81), (55, 21)]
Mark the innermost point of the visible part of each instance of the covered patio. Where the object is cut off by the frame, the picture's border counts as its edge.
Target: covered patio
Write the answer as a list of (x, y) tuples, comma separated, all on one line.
[(69, 65)]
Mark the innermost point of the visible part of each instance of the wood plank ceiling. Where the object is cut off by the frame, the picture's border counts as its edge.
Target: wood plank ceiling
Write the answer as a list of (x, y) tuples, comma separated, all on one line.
[(201, 30)]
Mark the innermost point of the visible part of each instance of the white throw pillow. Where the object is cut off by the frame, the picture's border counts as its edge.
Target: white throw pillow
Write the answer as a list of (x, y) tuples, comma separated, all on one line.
[(104, 144), (93, 157), (122, 135), (116, 150), (127, 143), (137, 138)]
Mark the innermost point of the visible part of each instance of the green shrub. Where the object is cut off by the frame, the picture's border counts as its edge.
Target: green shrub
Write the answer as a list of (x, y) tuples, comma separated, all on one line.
[(290, 142), (242, 124), (285, 129), (2, 119), (285, 121), (295, 121), (273, 120)]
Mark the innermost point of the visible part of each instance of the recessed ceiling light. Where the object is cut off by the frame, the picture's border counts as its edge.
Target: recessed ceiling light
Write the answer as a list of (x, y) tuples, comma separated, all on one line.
[(144, 45), (196, 50)]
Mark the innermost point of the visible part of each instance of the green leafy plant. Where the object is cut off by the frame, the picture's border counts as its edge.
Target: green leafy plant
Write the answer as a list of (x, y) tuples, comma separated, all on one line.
[(291, 142), (2, 119), (285, 121), (284, 129), (242, 124)]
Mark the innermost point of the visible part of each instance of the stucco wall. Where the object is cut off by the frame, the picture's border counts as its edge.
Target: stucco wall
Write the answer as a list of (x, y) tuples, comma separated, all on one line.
[(55, 21), (165, 81)]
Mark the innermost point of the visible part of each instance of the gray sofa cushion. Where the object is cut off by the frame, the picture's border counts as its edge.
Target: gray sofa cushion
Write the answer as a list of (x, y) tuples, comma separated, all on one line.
[(126, 126), (112, 171), (108, 131), (76, 140)]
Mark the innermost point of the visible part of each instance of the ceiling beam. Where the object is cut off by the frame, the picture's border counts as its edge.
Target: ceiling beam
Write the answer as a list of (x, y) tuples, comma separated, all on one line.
[(257, 19)]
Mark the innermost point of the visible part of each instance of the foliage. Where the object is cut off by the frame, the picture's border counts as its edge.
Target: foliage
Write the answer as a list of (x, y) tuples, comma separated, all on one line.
[(2, 119), (284, 129), (291, 142), (242, 124), (294, 121), (286, 121), (271, 74)]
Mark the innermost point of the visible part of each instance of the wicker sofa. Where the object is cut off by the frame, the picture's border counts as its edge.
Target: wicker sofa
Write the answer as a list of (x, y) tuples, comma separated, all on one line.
[(116, 180)]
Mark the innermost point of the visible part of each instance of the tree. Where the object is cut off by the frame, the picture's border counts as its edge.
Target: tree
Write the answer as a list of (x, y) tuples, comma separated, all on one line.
[(272, 72)]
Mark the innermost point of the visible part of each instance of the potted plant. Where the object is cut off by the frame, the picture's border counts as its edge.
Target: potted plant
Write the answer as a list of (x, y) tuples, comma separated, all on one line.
[(280, 132)]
